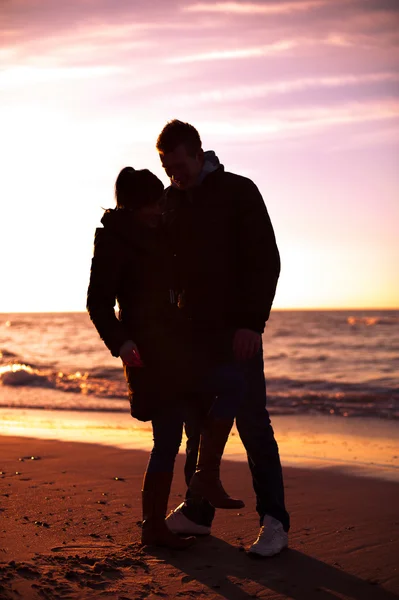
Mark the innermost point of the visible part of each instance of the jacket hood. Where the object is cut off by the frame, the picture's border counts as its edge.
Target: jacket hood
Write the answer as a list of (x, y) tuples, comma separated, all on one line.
[(122, 224), (119, 222), (211, 164), (115, 217)]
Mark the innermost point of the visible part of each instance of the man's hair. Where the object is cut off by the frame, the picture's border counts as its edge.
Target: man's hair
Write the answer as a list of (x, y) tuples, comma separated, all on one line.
[(175, 133)]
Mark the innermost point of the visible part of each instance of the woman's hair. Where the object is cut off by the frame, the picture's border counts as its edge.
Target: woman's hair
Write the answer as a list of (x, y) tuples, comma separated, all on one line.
[(135, 189)]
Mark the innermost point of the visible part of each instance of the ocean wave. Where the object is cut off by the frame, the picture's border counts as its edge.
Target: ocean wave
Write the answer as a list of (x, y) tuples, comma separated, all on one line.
[(111, 379), (370, 321), (107, 383), (378, 385), (103, 388), (16, 323), (278, 356), (345, 405), (23, 375), (6, 355)]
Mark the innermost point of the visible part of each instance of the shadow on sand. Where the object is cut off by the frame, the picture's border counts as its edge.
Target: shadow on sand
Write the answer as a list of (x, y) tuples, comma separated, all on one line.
[(227, 569)]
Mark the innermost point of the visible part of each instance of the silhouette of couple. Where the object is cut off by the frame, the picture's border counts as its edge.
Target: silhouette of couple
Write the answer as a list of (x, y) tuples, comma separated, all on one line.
[(194, 270)]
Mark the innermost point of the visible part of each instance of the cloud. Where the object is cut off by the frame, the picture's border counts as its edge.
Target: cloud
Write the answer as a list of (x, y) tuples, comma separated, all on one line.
[(242, 8), (367, 139), (273, 49), (24, 76), (251, 52), (249, 92), (285, 124)]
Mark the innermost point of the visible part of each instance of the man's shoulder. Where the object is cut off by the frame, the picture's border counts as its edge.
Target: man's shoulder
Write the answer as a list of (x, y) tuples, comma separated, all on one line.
[(237, 183)]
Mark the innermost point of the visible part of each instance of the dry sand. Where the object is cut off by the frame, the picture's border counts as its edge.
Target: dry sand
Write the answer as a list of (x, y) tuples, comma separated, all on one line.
[(70, 529)]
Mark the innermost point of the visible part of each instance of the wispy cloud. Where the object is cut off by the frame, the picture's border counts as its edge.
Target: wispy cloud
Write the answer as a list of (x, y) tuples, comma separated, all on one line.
[(366, 139), (264, 50), (252, 52), (249, 92), (242, 8), (304, 122), (23, 76)]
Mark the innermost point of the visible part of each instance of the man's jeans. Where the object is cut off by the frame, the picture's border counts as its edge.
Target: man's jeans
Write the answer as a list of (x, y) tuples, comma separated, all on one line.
[(255, 430), (219, 395)]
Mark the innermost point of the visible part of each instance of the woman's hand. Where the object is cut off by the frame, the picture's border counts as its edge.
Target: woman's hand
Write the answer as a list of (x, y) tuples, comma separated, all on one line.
[(130, 355)]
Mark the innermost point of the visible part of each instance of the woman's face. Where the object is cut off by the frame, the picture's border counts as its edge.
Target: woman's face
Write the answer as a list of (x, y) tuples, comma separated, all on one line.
[(150, 214)]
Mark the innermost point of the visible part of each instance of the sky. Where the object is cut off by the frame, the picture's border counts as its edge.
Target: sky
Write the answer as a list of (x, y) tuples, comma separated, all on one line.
[(302, 96)]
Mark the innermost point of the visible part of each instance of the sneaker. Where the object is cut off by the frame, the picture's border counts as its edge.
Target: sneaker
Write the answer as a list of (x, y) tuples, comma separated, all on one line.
[(179, 523), (271, 539)]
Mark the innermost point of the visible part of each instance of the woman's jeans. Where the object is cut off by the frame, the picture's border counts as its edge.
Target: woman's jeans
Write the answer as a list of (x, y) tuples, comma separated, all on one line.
[(256, 432), (219, 396)]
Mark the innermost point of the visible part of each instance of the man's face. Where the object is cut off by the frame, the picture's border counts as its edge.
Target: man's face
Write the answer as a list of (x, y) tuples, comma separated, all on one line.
[(182, 169)]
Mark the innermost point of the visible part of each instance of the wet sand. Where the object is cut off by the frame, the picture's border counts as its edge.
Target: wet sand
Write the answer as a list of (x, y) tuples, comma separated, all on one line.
[(364, 446), (70, 528)]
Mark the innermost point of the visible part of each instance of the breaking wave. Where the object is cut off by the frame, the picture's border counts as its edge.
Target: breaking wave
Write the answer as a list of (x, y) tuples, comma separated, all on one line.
[(285, 395), (372, 320)]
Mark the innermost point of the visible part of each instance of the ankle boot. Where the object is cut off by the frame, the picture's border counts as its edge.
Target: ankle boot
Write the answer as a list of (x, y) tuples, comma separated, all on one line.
[(206, 480), (155, 495)]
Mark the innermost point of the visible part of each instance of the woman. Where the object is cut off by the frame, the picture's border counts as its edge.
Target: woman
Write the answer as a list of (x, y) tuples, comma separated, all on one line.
[(160, 362)]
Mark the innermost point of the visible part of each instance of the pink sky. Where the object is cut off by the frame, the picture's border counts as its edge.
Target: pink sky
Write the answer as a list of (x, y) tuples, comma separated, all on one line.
[(302, 96)]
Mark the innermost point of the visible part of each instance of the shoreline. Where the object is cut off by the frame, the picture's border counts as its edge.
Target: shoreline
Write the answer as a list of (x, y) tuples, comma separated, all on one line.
[(71, 530), (360, 446)]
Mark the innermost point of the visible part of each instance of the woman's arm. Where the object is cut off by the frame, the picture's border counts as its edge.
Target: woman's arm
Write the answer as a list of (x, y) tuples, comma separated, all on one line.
[(105, 276)]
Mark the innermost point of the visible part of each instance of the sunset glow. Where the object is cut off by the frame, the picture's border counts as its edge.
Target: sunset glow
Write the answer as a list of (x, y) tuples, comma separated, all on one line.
[(302, 96)]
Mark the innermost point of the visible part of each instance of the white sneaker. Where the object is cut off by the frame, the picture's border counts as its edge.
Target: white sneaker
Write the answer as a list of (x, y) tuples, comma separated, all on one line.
[(271, 539), (179, 523)]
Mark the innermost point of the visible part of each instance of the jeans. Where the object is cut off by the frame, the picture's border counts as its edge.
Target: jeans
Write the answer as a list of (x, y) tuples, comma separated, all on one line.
[(167, 428), (256, 433), (220, 393)]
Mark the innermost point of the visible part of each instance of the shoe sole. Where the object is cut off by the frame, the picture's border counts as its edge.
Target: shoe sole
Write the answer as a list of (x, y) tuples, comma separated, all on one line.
[(201, 531), (255, 555)]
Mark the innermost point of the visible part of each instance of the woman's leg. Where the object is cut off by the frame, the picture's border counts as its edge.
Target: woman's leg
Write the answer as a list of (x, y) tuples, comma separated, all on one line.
[(167, 430)]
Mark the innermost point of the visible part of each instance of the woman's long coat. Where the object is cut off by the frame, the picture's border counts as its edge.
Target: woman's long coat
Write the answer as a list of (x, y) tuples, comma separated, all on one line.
[(130, 267)]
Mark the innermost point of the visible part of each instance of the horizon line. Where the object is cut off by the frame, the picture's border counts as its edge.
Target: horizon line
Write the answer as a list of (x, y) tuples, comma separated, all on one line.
[(280, 309)]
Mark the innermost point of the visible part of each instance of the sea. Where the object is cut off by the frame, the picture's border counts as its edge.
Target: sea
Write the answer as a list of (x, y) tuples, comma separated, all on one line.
[(325, 362)]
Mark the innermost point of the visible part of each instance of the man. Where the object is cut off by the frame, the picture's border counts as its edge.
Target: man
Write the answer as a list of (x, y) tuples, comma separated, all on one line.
[(226, 266)]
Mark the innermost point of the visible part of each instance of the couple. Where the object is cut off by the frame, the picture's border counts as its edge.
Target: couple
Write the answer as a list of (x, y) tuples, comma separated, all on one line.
[(194, 270)]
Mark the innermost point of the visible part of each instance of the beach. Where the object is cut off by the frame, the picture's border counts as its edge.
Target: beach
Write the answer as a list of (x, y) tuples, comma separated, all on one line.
[(72, 462), (71, 512)]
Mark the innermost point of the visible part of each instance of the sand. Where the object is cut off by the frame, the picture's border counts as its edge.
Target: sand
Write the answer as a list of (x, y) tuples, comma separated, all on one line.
[(70, 528), (361, 445)]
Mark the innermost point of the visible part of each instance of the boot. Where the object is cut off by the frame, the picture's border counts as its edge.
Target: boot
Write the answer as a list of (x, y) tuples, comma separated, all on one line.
[(155, 495), (206, 480)]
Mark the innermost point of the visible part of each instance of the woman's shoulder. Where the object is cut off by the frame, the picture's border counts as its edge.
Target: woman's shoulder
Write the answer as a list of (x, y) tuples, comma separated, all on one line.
[(109, 238)]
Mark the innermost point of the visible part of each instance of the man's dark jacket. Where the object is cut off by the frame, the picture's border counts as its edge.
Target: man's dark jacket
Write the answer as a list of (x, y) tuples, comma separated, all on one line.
[(223, 252)]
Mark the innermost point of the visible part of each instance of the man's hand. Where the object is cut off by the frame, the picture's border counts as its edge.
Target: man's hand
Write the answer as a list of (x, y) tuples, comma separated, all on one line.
[(130, 355), (246, 344)]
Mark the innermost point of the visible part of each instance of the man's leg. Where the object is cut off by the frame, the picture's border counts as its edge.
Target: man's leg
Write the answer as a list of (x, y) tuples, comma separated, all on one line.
[(223, 389), (196, 509), (256, 432), (210, 413)]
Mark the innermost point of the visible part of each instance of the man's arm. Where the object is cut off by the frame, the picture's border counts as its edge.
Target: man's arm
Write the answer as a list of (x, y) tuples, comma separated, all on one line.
[(258, 259)]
